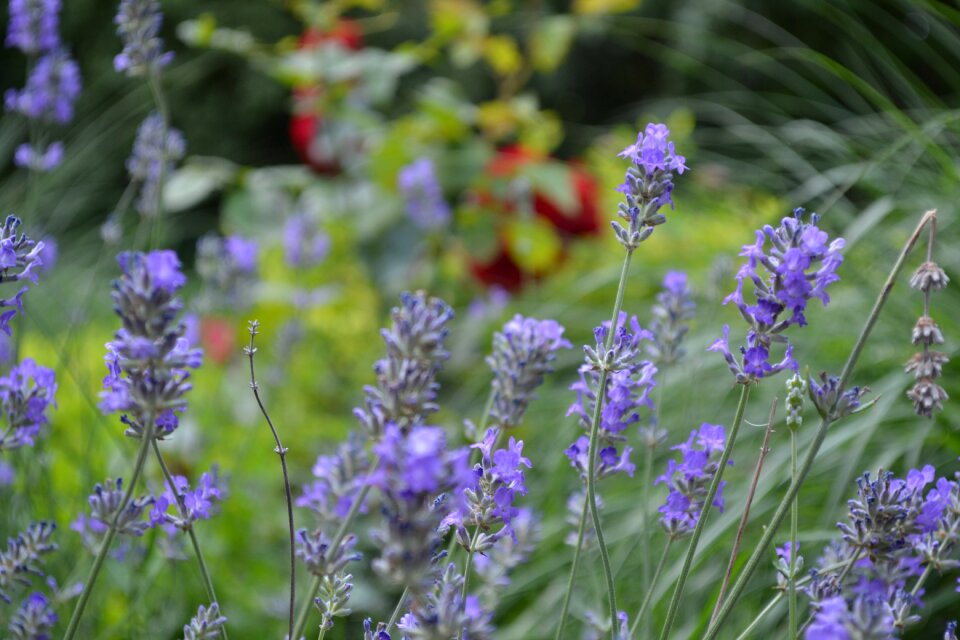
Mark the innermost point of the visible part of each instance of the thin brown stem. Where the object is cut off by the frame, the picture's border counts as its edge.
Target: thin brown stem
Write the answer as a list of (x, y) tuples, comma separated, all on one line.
[(764, 450), (282, 452)]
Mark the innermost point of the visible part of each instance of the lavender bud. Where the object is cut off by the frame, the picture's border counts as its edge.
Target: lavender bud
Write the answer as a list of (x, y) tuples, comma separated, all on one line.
[(138, 25), (334, 597), (198, 504), (828, 400), (868, 619), (228, 268), (105, 502), (926, 364), (40, 160), (314, 550), (156, 150), (522, 355), (380, 633), (927, 397), (796, 390), (205, 625), (34, 619), (883, 516), (22, 557), (950, 633), (443, 614), (929, 277), (927, 332)]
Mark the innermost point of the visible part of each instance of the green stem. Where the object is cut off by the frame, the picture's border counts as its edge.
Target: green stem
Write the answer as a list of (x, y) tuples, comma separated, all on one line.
[(794, 526), (573, 570), (704, 512), (591, 501), (647, 599), (207, 581), (771, 530), (397, 609), (467, 564), (111, 533), (157, 90), (334, 544)]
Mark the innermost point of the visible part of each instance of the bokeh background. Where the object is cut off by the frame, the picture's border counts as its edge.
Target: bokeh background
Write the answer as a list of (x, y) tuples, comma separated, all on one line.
[(847, 108)]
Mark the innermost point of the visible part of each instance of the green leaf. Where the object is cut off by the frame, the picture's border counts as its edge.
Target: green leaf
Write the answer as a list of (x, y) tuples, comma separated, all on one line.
[(195, 181), (554, 180), (533, 243), (550, 42)]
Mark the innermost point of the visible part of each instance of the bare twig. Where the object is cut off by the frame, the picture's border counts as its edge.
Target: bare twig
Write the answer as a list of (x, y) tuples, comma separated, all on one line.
[(764, 450), (282, 452)]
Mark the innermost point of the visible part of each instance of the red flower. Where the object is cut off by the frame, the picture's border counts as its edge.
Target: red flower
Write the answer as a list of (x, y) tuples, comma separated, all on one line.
[(218, 338), (502, 269)]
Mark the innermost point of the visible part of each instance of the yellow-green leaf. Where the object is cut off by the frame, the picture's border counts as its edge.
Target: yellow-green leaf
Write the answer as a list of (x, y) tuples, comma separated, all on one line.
[(550, 42), (533, 243)]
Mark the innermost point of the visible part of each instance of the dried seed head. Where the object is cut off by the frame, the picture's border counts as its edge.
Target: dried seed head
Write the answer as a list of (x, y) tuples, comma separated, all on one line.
[(929, 277), (927, 397), (926, 364), (927, 332)]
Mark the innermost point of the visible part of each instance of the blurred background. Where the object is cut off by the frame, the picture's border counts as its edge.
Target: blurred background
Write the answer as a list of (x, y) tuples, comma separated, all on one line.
[(299, 118)]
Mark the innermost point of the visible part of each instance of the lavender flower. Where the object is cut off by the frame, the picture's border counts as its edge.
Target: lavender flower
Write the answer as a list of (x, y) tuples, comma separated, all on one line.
[(105, 503), (22, 557), (689, 480), (339, 478), (648, 184), (829, 401), (34, 25), (26, 393), (205, 625), (52, 87), (950, 633), (487, 501), (34, 619), (415, 468), (406, 388), (228, 267), (198, 504), (782, 564), (673, 309), (628, 388), (314, 549), (443, 613), (156, 150), (19, 260), (522, 356), (379, 633), (799, 266), (866, 618), (305, 244), (28, 157), (148, 361), (138, 25), (423, 195)]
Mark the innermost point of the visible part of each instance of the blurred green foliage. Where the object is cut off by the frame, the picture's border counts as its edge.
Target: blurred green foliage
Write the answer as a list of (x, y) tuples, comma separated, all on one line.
[(846, 108)]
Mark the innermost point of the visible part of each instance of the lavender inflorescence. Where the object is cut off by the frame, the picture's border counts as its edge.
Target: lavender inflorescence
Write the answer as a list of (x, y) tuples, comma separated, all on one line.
[(443, 614), (800, 265), (199, 503), (334, 597), (829, 401), (138, 25), (423, 195), (206, 624), (339, 479), (105, 511), (148, 361), (34, 619), (228, 266), (926, 366), (34, 25), (487, 501), (19, 260), (628, 388), (156, 150), (25, 394), (406, 388), (304, 242), (523, 353), (689, 480), (648, 185), (674, 307), (23, 557), (495, 564)]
